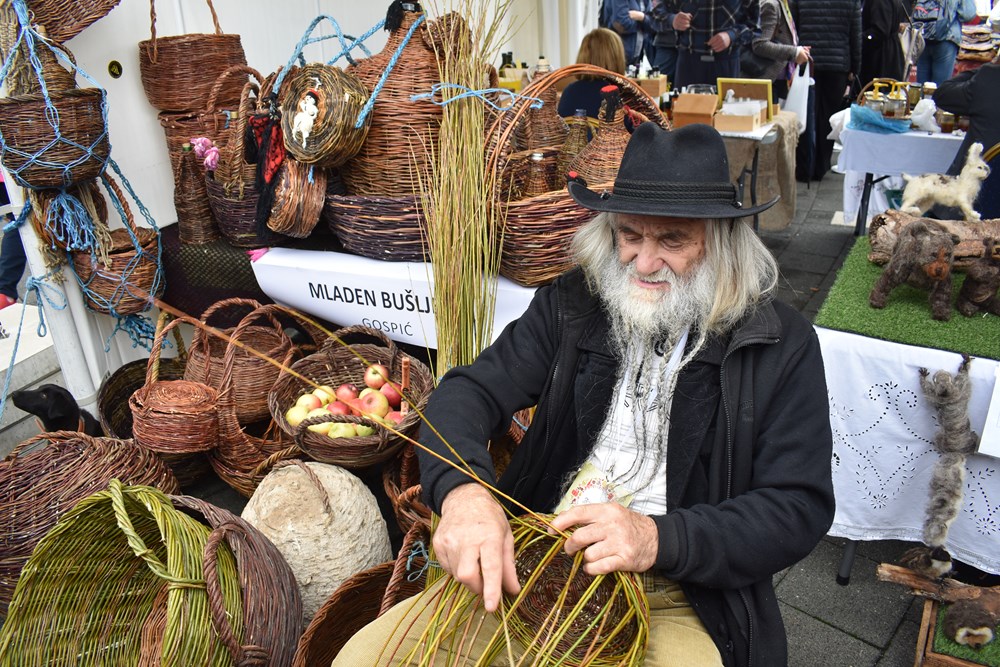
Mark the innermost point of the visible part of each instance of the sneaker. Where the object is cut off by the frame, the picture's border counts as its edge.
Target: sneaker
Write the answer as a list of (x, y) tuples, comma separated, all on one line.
[(6, 301)]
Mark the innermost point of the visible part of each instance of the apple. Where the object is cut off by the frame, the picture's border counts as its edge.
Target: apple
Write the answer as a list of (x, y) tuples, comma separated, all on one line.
[(374, 403), (392, 392), (296, 414), (338, 408), (376, 375), (346, 391), (354, 405), (322, 427), (363, 429), (309, 401), (395, 416), (341, 430), (326, 393)]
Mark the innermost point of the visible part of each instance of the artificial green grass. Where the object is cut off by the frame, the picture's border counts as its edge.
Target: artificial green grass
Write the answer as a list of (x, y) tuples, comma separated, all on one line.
[(906, 318), (988, 655)]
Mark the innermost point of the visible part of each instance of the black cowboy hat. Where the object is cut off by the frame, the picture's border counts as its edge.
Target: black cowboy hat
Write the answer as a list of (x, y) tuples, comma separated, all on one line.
[(683, 173)]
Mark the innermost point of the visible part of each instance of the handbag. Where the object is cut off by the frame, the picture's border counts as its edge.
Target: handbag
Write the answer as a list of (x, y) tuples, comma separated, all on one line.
[(751, 65), (798, 95)]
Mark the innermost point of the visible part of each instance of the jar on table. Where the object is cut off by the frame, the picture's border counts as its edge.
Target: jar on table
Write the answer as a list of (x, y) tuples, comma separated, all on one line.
[(946, 121), (928, 90), (914, 91)]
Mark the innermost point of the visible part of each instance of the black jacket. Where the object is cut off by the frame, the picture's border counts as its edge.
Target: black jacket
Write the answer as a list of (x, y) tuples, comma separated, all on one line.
[(749, 488), (833, 29), (976, 95)]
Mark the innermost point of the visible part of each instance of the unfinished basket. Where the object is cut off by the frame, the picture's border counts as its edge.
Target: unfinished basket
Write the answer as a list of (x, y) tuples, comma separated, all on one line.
[(272, 607), (338, 362), (119, 580), (264, 334), (43, 477), (178, 72)]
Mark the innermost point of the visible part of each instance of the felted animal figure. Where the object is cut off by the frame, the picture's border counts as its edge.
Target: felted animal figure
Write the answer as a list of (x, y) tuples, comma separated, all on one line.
[(922, 192), (949, 396), (933, 563), (982, 280), (971, 622), (922, 258), (55, 409)]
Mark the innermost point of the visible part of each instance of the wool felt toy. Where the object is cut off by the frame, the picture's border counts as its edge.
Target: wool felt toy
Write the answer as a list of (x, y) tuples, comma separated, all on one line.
[(982, 280), (971, 622), (922, 192), (921, 258)]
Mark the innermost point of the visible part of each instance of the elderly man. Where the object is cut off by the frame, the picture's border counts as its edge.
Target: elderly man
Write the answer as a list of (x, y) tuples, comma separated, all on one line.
[(680, 407)]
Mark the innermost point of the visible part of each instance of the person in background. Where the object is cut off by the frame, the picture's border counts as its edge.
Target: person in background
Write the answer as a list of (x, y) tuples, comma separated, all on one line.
[(976, 95), (832, 31), (648, 33), (778, 41), (12, 258), (626, 18), (665, 41), (882, 54), (937, 62), (601, 47), (710, 34)]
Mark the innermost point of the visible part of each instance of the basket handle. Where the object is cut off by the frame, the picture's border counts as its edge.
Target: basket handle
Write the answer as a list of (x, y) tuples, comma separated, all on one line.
[(201, 337), (232, 70), (415, 533), (229, 360), (153, 364), (249, 655), (359, 331), (229, 172), (48, 437), (299, 463), (275, 460), (152, 24)]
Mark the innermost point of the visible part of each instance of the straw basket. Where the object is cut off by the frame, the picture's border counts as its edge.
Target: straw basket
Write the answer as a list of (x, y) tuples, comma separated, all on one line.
[(45, 476), (38, 154), (322, 104), (65, 19), (256, 376), (385, 228), (124, 284), (120, 580), (174, 417), (334, 364), (272, 607), (539, 228), (178, 72), (299, 197), (358, 601)]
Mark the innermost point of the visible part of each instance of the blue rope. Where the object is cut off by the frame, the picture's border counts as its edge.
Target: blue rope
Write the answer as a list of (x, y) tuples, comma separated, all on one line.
[(385, 74), (512, 97), (30, 38), (70, 223), (419, 550), (306, 40), (140, 330), (32, 285)]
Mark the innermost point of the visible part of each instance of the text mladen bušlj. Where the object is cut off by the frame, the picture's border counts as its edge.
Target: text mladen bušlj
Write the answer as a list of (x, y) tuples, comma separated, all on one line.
[(407, 302)]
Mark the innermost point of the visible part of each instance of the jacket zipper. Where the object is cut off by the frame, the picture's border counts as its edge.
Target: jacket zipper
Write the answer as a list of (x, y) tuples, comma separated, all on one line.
[(729, 466), (555, 374)]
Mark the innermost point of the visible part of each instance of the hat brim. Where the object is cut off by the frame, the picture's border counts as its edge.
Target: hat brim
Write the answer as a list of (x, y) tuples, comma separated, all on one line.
[(609, 202)]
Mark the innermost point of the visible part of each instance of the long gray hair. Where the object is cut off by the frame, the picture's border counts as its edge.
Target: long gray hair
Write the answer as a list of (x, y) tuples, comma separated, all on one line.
[(745, 270)]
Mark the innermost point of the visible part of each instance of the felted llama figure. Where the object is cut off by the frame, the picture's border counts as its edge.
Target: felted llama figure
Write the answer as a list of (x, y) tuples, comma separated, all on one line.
[(960, 191), (921, 258)]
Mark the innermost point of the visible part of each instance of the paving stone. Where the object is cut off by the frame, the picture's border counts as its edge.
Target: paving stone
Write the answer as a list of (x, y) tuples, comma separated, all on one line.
[(813, 643)]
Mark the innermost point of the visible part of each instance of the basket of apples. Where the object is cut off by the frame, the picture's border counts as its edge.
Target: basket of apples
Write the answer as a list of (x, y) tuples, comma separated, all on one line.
[(348, 404)]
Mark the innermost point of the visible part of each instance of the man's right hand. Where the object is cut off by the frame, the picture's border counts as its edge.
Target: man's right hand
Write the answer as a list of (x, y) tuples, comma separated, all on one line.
[(474, 544), (682, 20)]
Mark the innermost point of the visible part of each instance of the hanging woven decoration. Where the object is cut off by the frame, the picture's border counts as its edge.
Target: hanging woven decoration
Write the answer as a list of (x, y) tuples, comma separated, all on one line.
[(65, 19), (299, 197)]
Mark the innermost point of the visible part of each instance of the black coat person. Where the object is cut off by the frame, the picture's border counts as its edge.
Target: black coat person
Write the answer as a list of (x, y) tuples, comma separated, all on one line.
[(881, 51)]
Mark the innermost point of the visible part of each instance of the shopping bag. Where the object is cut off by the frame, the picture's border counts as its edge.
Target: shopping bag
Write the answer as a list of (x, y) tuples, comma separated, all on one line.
[(798, 95)]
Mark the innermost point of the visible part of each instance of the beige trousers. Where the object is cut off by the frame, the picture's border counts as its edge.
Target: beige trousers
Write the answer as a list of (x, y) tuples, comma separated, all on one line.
[(676, 637)]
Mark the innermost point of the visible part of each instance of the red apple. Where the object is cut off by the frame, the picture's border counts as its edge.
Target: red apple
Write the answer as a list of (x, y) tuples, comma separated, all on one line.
[(374, 403), (346, 391), (376, 375), (395, 416), (309, 401), (392, 392), (339, 408), (365, 391), (354, 405)]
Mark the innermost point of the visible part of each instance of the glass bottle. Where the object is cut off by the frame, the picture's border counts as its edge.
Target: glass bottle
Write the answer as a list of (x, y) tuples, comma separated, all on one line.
[(506, 62), (576, 139), (537, 180)]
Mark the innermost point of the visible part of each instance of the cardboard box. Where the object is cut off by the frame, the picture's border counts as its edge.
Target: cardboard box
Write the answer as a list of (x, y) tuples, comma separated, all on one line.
[(725, 122), (690, 108), (754, 89), (655, 86)]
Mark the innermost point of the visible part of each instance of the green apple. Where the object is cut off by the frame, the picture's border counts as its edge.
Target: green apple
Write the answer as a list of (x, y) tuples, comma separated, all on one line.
[(322, 427), (363, 429), (326, 393), (341, 430), (296, 414)]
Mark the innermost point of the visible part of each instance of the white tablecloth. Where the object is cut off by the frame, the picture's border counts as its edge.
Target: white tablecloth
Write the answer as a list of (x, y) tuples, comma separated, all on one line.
[(882, 451), (889, 155)]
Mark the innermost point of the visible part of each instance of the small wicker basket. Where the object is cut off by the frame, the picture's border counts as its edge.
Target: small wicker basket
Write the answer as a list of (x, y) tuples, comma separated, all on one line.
[(299, 197), (65, 19), (385, 228)]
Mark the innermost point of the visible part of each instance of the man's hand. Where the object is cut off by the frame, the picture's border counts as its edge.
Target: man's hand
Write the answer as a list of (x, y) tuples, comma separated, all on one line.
[(636, 15), (720, 41), (682, 20), (613, 538), (474, 544)]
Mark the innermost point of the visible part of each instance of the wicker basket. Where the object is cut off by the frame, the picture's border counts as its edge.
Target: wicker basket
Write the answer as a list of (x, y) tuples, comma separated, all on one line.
[(131, 275), (237, 217), (40, 156), (337, 363), (272, 607), (541, 127), (299, 197), (178, 72), (256, 376), (358, 601), (119, 581), (385, 228), (539, 229), (45, 476), (65, 19), (177, 417), (338, 98), (597, 162), (52, 228)]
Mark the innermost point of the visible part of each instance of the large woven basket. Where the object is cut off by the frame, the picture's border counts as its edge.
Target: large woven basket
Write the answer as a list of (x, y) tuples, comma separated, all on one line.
[(264, 334), (123, 284), (65, 19), (178, 72), (539, 228), (120, 580), (38, 154), (45, 476), (338, 362), (359, 600), (272, 606), (385, 228)]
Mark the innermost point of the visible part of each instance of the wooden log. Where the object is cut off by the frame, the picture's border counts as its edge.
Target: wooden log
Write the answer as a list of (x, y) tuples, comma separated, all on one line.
[(886, 226), (942, 590)]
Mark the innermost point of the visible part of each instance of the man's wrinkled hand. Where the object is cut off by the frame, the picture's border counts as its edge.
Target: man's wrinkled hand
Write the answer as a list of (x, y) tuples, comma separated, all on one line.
[(613, 538), (682, 20), (720, 41), (474, 544)]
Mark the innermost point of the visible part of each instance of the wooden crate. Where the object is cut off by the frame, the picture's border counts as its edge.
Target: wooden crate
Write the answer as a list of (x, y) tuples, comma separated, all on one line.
[(925, 655)]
